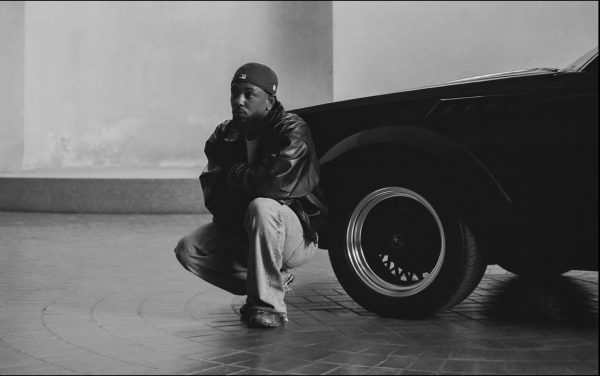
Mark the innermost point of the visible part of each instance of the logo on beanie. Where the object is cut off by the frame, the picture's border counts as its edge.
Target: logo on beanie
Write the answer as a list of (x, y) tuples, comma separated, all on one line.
[(274, 88), (242, 76)]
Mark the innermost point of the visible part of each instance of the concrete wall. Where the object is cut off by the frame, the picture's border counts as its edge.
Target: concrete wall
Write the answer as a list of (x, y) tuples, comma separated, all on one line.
[(12, 33), (382, 47), (144, 84), (123, 84)]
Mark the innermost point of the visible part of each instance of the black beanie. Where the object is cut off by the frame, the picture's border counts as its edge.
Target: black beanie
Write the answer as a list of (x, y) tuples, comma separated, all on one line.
[(257, 74)]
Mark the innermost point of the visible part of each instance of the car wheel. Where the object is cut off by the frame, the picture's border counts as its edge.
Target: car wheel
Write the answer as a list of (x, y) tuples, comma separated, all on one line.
[(400, 249)]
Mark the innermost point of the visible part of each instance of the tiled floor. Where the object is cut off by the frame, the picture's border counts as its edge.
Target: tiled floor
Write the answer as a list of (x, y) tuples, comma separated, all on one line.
[(104, 294)]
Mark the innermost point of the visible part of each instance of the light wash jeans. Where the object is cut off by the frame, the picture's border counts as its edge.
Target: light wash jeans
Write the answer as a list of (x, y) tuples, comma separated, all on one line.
[(255, 265)]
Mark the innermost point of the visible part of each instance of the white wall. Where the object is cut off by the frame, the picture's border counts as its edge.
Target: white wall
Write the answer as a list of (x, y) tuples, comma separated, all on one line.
[(144, 84), (382, 47), (11, 85)]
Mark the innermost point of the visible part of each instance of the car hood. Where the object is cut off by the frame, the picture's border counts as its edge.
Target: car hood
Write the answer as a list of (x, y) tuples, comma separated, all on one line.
[(511, 82), (517, 73)]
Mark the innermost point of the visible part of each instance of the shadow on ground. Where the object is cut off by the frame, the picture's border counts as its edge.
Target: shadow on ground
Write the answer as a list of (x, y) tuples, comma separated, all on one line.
[(559, 299)]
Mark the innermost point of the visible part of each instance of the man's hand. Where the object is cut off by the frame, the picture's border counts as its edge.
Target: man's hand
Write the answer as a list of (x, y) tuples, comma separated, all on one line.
[(232, 174)]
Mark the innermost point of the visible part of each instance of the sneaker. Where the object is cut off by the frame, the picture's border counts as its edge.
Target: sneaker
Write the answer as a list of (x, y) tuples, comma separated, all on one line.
[(264, 319), (244, 312), (245, 309)]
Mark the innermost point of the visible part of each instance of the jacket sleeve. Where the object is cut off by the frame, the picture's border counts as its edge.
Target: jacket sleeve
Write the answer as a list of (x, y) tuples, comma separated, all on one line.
[(225, 207), (287, 171)]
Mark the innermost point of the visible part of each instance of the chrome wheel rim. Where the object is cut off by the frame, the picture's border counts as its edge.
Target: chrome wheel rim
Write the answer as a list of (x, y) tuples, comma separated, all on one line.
[(387, 269)]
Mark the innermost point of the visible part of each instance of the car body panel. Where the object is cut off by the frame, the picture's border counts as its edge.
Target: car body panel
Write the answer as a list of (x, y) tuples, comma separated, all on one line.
[(532, 135)]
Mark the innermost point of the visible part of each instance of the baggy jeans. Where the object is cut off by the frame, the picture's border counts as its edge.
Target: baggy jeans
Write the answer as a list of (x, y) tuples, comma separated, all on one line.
[(255, 263)]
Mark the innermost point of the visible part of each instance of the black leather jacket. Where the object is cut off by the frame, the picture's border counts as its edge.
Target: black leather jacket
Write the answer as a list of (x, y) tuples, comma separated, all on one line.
[(286, 169)]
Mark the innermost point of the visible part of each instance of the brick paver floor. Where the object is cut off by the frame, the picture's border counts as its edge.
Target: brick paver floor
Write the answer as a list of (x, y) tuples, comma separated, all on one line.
[(104, 294)]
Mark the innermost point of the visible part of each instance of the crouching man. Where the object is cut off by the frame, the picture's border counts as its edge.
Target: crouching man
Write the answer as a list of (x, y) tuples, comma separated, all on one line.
[(261, 185)]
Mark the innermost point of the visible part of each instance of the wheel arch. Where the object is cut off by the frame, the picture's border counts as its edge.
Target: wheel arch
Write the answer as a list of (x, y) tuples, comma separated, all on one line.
[(481, 197)]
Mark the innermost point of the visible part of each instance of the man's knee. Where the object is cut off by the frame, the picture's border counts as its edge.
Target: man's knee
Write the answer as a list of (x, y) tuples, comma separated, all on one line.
[(262, 213), (262, 207)]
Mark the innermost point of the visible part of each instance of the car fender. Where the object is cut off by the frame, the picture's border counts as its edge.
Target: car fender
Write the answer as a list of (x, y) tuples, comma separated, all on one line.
[(480, 196)]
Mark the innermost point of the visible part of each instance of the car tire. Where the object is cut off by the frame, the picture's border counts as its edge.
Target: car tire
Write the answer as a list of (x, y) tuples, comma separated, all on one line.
[(399, 246)]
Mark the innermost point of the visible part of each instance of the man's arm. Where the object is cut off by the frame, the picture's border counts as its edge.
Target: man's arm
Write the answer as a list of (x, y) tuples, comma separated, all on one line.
[(217, 196), (288, 171)]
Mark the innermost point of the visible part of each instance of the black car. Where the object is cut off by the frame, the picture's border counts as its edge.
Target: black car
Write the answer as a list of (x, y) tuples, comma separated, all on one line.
[(427, 187)]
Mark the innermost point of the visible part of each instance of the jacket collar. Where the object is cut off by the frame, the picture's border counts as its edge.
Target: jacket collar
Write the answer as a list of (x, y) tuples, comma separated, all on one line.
[(275, 114)]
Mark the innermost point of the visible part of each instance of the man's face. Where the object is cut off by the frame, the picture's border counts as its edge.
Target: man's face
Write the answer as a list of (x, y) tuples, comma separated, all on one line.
[(248, 102)]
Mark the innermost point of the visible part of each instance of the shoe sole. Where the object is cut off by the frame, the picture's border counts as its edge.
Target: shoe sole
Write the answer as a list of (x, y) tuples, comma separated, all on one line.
[(255, 325)]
